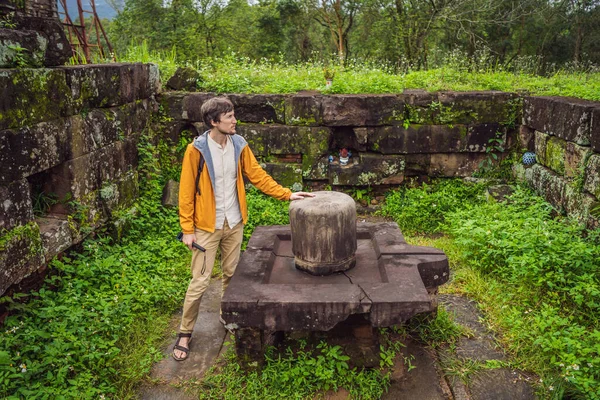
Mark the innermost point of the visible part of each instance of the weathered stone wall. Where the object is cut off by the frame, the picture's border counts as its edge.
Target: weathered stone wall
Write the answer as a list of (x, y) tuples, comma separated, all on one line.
[(31, 34), (68, 156), (390, 136), (565, 135)]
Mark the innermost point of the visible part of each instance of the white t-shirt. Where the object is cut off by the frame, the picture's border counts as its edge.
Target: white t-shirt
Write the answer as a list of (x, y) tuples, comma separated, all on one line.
[(228, 205)]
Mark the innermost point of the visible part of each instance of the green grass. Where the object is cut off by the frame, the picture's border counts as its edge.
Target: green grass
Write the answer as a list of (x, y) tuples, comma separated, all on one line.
[(235, 74), (534, 277), (300, 372), (95, 327)]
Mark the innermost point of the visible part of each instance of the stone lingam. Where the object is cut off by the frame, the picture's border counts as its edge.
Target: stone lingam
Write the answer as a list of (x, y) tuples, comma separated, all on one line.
[(326, 272)]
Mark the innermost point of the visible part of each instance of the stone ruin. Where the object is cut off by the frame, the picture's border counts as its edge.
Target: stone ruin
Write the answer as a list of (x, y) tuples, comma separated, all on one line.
[(326, 272), (31, 33)]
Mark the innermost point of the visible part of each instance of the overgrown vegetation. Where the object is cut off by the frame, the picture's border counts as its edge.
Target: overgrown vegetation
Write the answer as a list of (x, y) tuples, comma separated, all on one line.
[(233, 73), (79, 336), (534, 274), (532, 36), (423, 208), (551, 267), (297, 373)]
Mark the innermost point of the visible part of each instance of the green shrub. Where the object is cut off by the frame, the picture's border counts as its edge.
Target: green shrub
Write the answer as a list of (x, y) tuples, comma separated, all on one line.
[(423, 209), (296, 374), (72, 338), (550, 270)]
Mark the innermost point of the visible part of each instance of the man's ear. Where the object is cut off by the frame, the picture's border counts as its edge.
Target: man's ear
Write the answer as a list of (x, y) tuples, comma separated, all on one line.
[(213, 123)]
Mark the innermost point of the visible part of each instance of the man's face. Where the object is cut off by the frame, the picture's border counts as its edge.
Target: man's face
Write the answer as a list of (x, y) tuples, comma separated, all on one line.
[(226, 124)]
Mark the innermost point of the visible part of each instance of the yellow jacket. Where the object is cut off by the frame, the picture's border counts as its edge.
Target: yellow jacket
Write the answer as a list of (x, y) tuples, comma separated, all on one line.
[(200, 210)]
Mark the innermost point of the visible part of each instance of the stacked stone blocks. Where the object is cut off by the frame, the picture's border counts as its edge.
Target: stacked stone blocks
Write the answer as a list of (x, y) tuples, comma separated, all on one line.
[(68, 150), (390, 136), (565, 135)]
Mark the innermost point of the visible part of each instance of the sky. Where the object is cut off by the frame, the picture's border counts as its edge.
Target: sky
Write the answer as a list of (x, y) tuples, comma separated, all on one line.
[(103, 9)]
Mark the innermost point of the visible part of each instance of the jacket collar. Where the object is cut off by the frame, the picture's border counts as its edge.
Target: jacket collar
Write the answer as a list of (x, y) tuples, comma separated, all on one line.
[(201, 144)]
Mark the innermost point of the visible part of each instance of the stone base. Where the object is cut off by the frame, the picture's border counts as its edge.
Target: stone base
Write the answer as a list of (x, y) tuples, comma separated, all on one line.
[(357, 338), (325, 268)]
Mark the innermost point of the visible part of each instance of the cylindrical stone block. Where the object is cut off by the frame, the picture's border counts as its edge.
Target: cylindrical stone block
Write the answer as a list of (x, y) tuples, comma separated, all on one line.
[(324, 233)]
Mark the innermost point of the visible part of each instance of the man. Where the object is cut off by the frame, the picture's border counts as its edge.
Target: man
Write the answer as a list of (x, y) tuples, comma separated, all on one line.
[(212, 206)]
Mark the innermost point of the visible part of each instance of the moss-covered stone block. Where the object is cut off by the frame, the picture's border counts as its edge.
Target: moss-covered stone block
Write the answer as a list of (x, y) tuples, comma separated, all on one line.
[(171, 107), (78, 178), (526, 138), (595, 129), (303, 110), (94, 86), (119, 193), (28, 150), (16, 207), (368, 169), (21, 47), (416, 138), (540, 144), (133, 82), (29, 96), (49, 30), (21, 253), (417, 164), (580, 206), (592, 175), (38, 147), (381, 169), (575, 156), (462, 108), (345, 175), (484, 106), (547, 184), (451, 165), (286, 174), (259, 108), (184, 78), (312, 143), (55, 234), (563, 117), (259, 136), (555, 154), (362, 110)]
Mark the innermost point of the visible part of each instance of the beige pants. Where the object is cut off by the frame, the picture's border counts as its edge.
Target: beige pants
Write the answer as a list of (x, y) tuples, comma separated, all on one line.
[(230, 242)]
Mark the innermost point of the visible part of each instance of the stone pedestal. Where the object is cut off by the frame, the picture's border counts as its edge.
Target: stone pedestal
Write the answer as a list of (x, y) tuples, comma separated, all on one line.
[(324, 233)]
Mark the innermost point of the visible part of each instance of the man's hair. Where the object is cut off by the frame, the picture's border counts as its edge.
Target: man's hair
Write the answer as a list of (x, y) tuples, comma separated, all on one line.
[(213, 108)]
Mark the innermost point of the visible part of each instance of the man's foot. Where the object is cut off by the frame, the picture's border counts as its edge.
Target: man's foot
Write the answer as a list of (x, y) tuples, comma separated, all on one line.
[(181, 350), (221, 320)]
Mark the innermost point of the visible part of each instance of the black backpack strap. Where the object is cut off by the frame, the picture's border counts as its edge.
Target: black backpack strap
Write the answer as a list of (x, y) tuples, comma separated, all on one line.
[(200, 167)]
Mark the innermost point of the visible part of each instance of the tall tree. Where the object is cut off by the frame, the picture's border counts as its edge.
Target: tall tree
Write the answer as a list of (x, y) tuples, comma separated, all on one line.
[(338, 16)]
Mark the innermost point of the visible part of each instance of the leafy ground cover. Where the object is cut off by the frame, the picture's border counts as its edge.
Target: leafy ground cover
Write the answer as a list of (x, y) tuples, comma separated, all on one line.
[(95, 327), (92, 330), (534, 275), (236, 74)]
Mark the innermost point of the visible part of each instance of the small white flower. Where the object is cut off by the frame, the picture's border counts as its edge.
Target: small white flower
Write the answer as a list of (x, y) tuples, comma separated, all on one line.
[(23, 368), (551, 388), (561, 364), (590, 365), (575, 367), (116, 298)]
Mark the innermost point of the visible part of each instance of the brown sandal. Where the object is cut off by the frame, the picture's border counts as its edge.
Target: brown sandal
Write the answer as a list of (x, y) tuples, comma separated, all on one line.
[(186, 350)]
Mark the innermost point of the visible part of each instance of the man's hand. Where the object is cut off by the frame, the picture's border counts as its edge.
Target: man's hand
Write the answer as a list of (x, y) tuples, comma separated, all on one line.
[(300, 195), (188, 239)]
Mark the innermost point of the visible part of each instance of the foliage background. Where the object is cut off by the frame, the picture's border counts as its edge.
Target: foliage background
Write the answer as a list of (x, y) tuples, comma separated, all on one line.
[(533, 36)]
